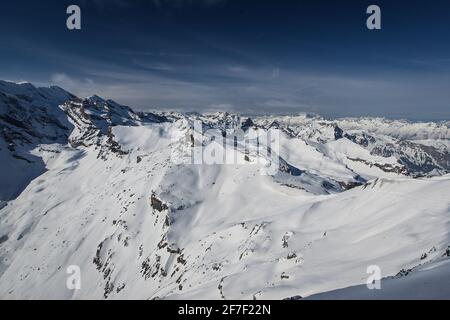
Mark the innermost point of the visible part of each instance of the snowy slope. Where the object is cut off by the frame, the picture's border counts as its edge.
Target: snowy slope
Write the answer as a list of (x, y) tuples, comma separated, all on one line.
[(29, 116), (430, 282), (110, 198)]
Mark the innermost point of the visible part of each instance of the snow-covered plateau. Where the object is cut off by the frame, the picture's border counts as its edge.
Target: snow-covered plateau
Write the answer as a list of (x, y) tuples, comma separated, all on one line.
[(93, 184)]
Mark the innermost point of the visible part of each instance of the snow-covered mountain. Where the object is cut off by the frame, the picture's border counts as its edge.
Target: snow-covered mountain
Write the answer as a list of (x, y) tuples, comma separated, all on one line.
[(92, 183)]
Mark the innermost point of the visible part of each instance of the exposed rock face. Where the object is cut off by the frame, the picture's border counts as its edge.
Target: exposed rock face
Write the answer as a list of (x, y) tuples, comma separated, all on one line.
[(247, 124), (158, 204)]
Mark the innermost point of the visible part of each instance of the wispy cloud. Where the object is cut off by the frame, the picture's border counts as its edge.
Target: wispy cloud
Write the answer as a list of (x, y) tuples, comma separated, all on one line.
[(72, 84), (256, 90)]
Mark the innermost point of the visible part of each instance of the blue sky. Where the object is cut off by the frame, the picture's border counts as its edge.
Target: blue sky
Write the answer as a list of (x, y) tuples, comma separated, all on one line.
[(247, 56)]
